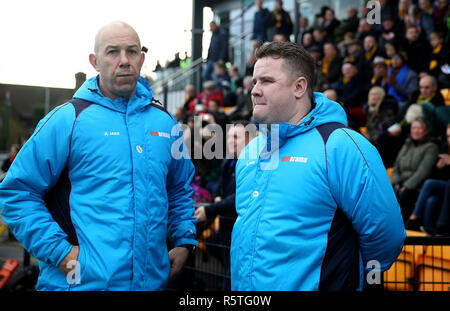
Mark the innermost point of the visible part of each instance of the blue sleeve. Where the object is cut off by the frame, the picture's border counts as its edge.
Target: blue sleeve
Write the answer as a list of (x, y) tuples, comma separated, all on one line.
[(361, 187), (35, 170), (410, 85), (182, 223)]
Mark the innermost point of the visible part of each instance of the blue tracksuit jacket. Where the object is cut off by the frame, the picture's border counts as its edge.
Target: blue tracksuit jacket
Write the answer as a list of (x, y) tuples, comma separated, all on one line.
[(312, 207), (101, 175)]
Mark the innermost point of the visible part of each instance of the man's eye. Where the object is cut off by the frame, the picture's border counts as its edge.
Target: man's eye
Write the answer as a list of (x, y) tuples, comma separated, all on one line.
[(111, 52)]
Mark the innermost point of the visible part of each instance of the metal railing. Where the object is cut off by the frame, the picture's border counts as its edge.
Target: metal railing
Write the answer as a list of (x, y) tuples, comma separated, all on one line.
[(208, 268), (423, 265), (170, 89), (170, 83), (177, 75)]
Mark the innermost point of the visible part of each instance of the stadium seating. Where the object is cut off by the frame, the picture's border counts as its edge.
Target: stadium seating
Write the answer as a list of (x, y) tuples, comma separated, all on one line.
[(420, 267), (446, 94), (401, 273)]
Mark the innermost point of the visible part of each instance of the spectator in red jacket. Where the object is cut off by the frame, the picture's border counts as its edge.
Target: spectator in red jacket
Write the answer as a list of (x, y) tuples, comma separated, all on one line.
[(201, 102)]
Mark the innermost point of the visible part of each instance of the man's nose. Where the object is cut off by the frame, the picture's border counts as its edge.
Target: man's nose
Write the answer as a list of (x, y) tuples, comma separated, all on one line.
[(256, 91), (124, 59)]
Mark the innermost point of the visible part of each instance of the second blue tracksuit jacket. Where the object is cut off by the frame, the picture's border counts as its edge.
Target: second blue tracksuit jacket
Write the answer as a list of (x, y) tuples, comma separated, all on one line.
[(312, 200)]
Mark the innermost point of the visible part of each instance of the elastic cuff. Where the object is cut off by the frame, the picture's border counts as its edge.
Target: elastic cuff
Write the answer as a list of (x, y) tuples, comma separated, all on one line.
[(186, 241), (60, 252)]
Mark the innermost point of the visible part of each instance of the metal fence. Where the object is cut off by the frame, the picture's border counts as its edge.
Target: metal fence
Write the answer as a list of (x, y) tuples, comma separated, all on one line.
[(423, 265), (208, 268)]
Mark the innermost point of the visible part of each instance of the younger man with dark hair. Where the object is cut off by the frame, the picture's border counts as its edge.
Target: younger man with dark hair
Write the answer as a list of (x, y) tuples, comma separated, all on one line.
[(314, 202)]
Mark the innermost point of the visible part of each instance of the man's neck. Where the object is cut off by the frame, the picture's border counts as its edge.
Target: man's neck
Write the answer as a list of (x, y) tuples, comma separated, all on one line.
[(303, 113), (112, 96)]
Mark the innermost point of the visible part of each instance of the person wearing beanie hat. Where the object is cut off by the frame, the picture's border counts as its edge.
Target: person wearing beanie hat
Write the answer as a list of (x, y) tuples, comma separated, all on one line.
[(348, 84), (351, 91)]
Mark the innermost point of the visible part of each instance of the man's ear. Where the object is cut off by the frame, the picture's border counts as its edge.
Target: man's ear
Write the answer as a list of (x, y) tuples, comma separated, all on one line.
[(301, 86), (143, 58), (93, 61)]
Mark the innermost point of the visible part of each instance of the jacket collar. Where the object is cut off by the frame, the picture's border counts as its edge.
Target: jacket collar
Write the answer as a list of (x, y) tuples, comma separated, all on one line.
[(274, 136), (90, 91), (324, 111)]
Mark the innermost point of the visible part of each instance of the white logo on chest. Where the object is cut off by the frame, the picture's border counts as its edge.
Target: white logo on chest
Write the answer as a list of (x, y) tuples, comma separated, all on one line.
[(295, 159)]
